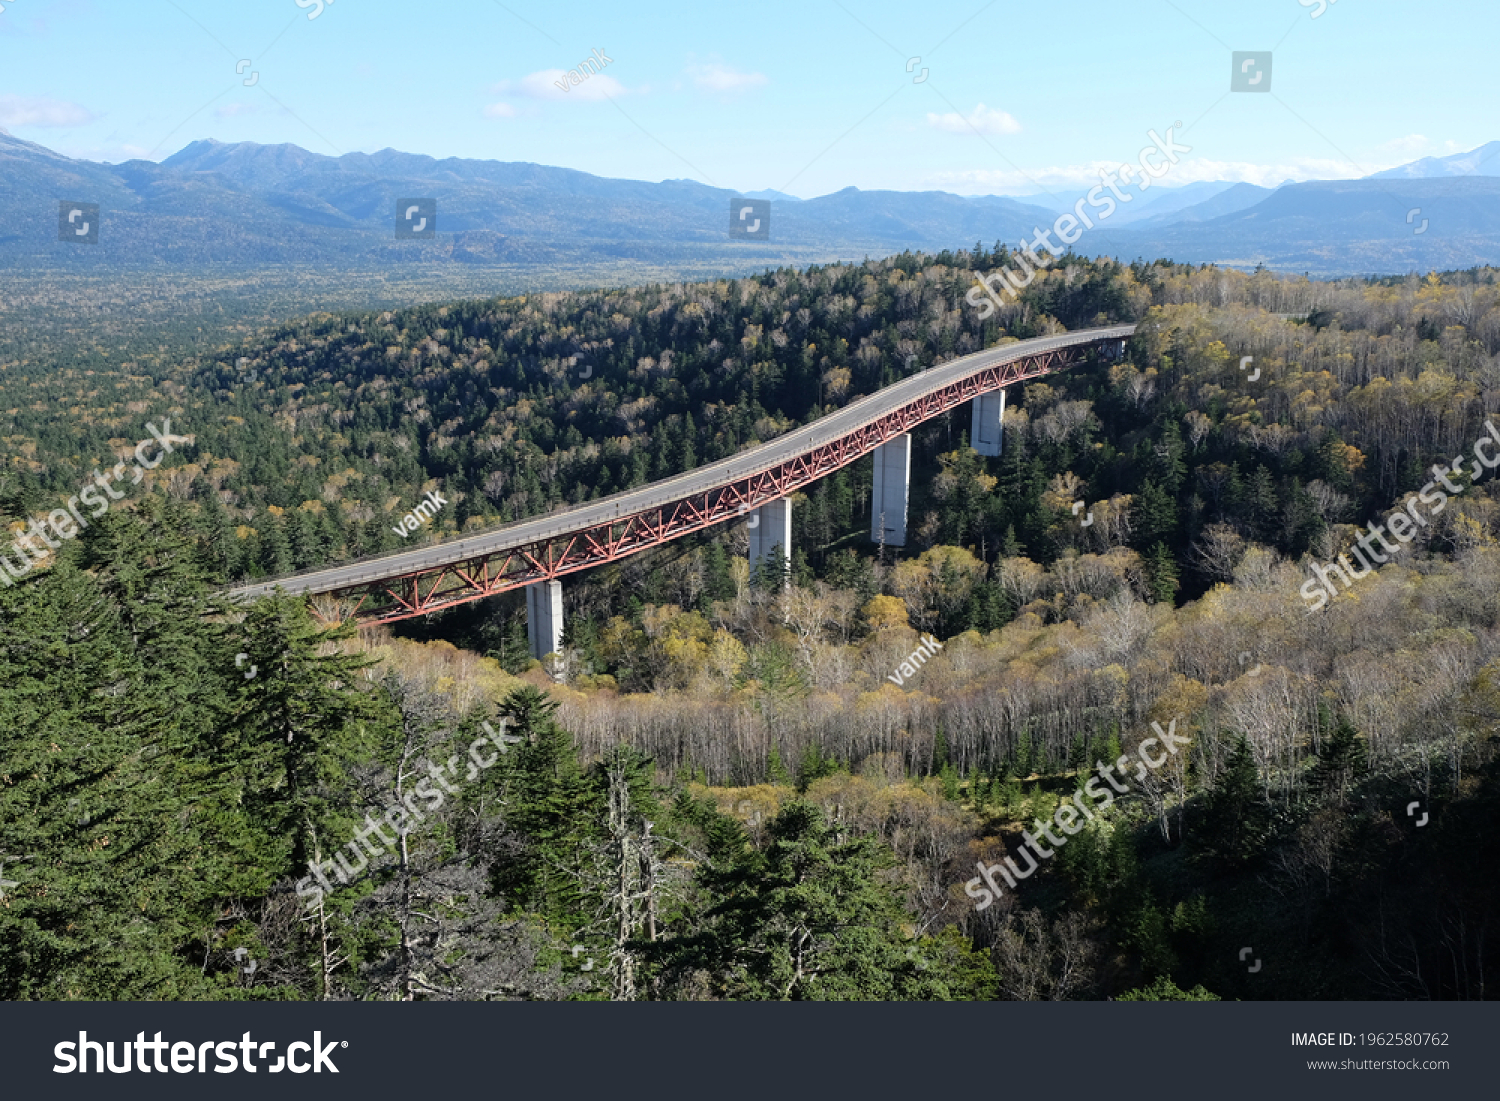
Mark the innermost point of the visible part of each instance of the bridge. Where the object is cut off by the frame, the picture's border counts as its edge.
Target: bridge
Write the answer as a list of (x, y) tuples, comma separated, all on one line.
[(533, 554)]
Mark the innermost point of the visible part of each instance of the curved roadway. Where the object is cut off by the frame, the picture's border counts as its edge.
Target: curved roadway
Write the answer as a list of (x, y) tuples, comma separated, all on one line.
[(621, 505)]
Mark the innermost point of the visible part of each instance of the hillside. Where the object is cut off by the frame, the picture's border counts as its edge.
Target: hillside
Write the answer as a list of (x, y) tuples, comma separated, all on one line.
[(1341, 226), (248, 206), (724, 745)]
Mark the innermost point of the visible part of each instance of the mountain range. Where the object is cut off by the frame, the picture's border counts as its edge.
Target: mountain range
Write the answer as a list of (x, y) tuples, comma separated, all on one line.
[(248, 205)]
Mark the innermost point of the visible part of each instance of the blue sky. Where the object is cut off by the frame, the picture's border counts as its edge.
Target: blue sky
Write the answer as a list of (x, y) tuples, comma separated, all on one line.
[(805, 97)]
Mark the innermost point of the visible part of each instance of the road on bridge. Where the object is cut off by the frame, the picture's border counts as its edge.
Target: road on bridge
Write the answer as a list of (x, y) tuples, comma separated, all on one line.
[(619, 506)]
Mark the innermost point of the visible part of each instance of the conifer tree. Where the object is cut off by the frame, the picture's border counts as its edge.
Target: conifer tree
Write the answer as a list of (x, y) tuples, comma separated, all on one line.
[(815, 918), (300, 723), (552, 805), (1155, 515), (1236, 819), (1161, 571), (777, 771), (814, 766), (112, 689), (1341, 763)]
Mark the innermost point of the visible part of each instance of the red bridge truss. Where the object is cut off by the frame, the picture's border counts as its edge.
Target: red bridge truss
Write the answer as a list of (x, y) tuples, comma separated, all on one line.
[(415, 583)]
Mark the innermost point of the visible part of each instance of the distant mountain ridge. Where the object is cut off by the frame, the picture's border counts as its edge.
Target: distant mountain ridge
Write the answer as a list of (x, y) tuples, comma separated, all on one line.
[(1383, 226), (1484, 161), (1226, 200), (246, 205)]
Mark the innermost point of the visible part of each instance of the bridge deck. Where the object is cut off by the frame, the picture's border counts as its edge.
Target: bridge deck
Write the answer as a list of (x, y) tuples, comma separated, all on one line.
[(419, 581)]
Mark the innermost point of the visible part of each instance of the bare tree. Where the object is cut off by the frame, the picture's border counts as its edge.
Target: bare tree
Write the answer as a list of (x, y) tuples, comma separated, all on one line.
[(1036, 962), (1218, 551)]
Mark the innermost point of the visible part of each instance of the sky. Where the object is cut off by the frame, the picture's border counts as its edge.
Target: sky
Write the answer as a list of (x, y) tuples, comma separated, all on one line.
[(968, 96)]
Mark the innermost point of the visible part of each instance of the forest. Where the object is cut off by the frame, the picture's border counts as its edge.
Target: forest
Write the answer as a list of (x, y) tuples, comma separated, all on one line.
[(717, 790)]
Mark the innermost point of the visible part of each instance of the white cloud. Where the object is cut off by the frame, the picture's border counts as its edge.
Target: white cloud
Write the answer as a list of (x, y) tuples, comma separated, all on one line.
[(500, 111), (1072, 181), (544, 84), (1296, 170), (229, 110), (718, 77), (986, 120), (113, 153), (1413, 145), (41, 111)]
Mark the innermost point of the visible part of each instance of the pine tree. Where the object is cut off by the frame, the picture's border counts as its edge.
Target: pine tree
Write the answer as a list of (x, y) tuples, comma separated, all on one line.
[(275, 549), (552, 805), (1155, 515), (718, 581), (939, 752), (772, 574), (514, 654), (219, 549), (119, 818), (813, 918), (1262, 505), (302, 537), (299, 724), (1165, 990), (1236, 819), (1161, 573), (1011, 547), (949, 776), (1167, 465), (802, 572), (688, 457), (1341, 763), (777, 771), (1025, 755), (814, 766)]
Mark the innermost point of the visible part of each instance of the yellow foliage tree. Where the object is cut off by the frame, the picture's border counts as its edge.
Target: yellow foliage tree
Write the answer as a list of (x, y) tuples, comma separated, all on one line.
[(884, 612)]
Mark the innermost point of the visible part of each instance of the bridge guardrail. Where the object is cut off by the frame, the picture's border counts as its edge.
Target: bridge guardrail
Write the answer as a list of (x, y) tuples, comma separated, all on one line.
[(936, 377)]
